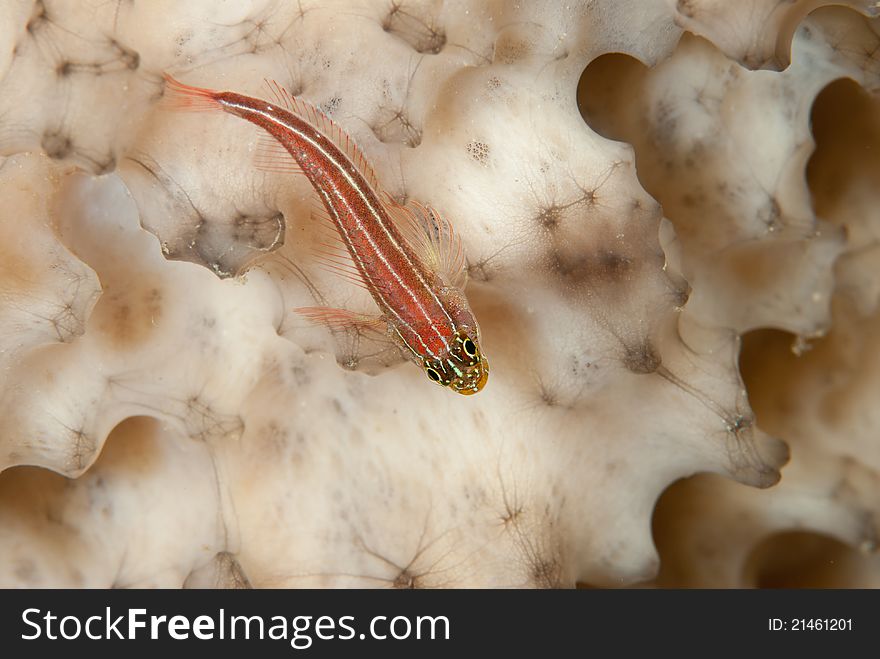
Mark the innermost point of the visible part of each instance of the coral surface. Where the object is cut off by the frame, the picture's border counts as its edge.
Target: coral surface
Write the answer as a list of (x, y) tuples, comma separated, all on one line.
[(670, 216)]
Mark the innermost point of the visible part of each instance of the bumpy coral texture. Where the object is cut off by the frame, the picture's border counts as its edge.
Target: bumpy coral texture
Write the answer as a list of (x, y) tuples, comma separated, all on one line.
[(637, 187)]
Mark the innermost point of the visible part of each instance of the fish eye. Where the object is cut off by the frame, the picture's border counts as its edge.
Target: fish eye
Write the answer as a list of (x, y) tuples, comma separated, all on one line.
[(470, 348), (433, 375)]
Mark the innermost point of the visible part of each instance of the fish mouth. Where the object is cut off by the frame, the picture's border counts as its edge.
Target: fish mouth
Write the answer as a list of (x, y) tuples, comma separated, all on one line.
[(474, 380)]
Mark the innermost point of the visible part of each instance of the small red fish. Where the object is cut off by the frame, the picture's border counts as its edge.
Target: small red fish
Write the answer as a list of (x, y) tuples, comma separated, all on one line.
[(407, 257)]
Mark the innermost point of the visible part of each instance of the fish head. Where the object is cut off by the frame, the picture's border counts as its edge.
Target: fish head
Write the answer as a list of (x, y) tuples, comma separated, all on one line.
[(463, 368)]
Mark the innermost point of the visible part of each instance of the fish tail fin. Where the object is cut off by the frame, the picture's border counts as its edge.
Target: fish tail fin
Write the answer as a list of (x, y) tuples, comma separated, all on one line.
[(185, 98)]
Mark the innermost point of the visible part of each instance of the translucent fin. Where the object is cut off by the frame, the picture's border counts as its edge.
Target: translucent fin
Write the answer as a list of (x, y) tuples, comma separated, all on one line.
[(280, 94), (336, 261), (327, 126), (320, 214), (179, 97), (329, 250), (271, 156), (342, 319), (433, 239)]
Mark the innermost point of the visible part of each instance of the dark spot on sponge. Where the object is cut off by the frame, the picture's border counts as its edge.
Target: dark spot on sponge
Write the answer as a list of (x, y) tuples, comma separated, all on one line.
[(547, 572), (38, 17), (56, 145), (614, 264), (262, 233), (106, 166), (770, 213), (405, 581), (420, 32), (685, 7), (605, 266), (479, 151), (433, 43), (550, 217), (641, 358)]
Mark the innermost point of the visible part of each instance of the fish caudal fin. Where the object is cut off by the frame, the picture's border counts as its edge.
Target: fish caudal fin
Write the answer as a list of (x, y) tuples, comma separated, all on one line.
[(179, 97)]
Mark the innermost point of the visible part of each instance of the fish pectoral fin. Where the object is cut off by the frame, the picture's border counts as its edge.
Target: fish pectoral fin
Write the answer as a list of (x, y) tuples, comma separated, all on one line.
[(432, 237), (342, 319)]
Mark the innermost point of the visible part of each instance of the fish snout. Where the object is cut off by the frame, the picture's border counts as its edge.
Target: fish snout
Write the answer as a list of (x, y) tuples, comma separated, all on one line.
[(473, 379)]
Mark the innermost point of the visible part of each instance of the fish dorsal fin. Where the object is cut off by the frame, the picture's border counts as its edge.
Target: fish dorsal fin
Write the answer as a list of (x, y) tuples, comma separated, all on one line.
[(432, 237), (333, 131)]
